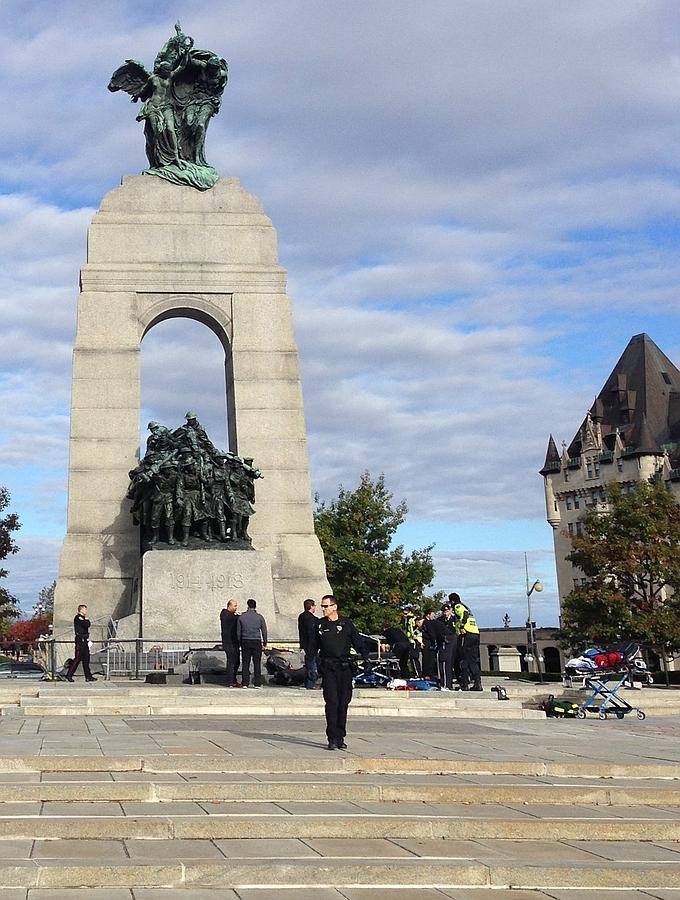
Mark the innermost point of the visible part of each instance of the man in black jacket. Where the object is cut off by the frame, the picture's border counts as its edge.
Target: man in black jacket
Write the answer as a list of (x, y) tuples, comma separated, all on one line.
[(447, 642), (307, 626), (228, 623), (81, 626), (251, 631), (335, 636)]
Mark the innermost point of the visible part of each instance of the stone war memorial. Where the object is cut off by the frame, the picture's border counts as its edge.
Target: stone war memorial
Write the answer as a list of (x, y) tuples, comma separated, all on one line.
[(158, 540)]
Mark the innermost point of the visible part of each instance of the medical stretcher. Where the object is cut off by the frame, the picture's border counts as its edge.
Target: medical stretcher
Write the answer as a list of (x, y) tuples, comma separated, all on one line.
[(605, 698)]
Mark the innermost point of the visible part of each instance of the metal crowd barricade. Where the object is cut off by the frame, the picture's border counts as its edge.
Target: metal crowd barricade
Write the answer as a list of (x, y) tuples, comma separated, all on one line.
[(135, 658)]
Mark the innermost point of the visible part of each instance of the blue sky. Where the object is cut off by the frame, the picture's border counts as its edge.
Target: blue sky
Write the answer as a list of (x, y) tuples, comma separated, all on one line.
[(477, 203)]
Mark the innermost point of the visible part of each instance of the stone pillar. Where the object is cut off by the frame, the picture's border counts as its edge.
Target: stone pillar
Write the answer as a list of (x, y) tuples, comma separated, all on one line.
[(508, 660), (156, 251)]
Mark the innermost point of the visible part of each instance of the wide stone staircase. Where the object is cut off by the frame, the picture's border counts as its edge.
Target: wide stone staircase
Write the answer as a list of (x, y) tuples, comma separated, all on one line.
[(126, 699), (334, 826)]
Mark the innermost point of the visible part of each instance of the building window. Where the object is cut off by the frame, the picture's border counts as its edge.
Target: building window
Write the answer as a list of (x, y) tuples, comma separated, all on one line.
[(577, 502), (619, 464), (570, 528), (592, 467), (569, 503), (579, 529)]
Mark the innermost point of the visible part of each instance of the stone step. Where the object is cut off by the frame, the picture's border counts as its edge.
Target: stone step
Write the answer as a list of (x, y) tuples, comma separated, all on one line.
[(430, 700), (283, 892), (273, 703), (326, 763), (139, 699), (507, 713), (83, 821), (350, 872), (284, 790)]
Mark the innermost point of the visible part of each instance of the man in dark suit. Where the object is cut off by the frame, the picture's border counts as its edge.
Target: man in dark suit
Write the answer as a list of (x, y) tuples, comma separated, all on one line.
[(228, 623), (307, 627)]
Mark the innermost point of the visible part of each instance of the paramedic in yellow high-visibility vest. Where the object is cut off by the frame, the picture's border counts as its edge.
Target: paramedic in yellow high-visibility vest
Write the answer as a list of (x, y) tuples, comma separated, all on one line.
[(415, 638), (470, 677)]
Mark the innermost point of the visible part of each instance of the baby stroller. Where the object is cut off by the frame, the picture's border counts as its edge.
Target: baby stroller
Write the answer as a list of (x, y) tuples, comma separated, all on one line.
[(287, 667)]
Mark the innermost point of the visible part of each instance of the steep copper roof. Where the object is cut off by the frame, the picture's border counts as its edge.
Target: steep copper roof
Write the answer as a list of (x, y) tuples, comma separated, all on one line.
[(641, 398)]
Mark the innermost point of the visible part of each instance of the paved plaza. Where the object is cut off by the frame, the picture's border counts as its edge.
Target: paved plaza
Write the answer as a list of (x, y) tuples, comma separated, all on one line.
[(654, 741), (247, 807)]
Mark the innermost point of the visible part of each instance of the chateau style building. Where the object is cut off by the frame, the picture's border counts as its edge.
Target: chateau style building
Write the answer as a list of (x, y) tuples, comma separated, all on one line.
[(631, 433)]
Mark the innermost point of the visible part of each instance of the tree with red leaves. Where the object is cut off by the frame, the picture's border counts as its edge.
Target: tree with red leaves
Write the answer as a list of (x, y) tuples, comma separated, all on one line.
[(28, 630)]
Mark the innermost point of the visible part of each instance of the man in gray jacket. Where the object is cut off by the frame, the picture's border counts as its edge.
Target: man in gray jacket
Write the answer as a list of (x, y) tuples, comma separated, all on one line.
[(251, 631)]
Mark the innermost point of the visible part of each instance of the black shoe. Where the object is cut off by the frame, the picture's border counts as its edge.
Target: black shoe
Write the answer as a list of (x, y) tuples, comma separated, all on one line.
[(68, 678), (343, 746), (332, 746), (477, 687), (90, 679)]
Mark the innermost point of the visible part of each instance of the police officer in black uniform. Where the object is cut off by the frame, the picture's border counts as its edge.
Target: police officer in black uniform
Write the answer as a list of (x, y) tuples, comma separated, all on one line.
[(335, 636), (447, 640), (81, 627)]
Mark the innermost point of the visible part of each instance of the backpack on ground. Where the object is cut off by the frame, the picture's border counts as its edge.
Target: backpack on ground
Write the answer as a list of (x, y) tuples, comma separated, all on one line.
[(559, 709)]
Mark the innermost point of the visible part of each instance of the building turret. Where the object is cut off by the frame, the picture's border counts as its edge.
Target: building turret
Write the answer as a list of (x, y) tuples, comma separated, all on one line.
[(630, 434)]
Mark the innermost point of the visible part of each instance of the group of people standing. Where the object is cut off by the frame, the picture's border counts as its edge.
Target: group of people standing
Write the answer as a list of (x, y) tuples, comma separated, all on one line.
[(448, 645), (327, 644), (445, 647), (244, 637)]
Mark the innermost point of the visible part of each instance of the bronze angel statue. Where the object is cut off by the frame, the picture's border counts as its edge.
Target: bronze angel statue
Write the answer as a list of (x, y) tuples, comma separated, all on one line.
[(179, 97)]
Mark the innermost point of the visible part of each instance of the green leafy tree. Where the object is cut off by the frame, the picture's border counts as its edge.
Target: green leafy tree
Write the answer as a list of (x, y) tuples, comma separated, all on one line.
[(630, 555), (9, 523), (44, 605), (370, 576)]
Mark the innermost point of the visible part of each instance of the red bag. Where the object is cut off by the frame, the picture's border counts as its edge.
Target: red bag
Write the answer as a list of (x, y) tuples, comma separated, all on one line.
[(601, 660), (615, 659)]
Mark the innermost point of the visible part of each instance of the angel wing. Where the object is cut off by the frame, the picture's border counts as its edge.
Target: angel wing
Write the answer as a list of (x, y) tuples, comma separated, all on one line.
[(131, 77)]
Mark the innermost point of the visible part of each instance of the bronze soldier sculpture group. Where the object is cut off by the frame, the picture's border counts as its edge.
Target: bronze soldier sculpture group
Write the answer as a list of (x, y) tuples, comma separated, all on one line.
[(185, 487)]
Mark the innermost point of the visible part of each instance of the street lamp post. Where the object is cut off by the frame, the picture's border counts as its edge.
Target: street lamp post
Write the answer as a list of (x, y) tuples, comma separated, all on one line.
[(532, 649)]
